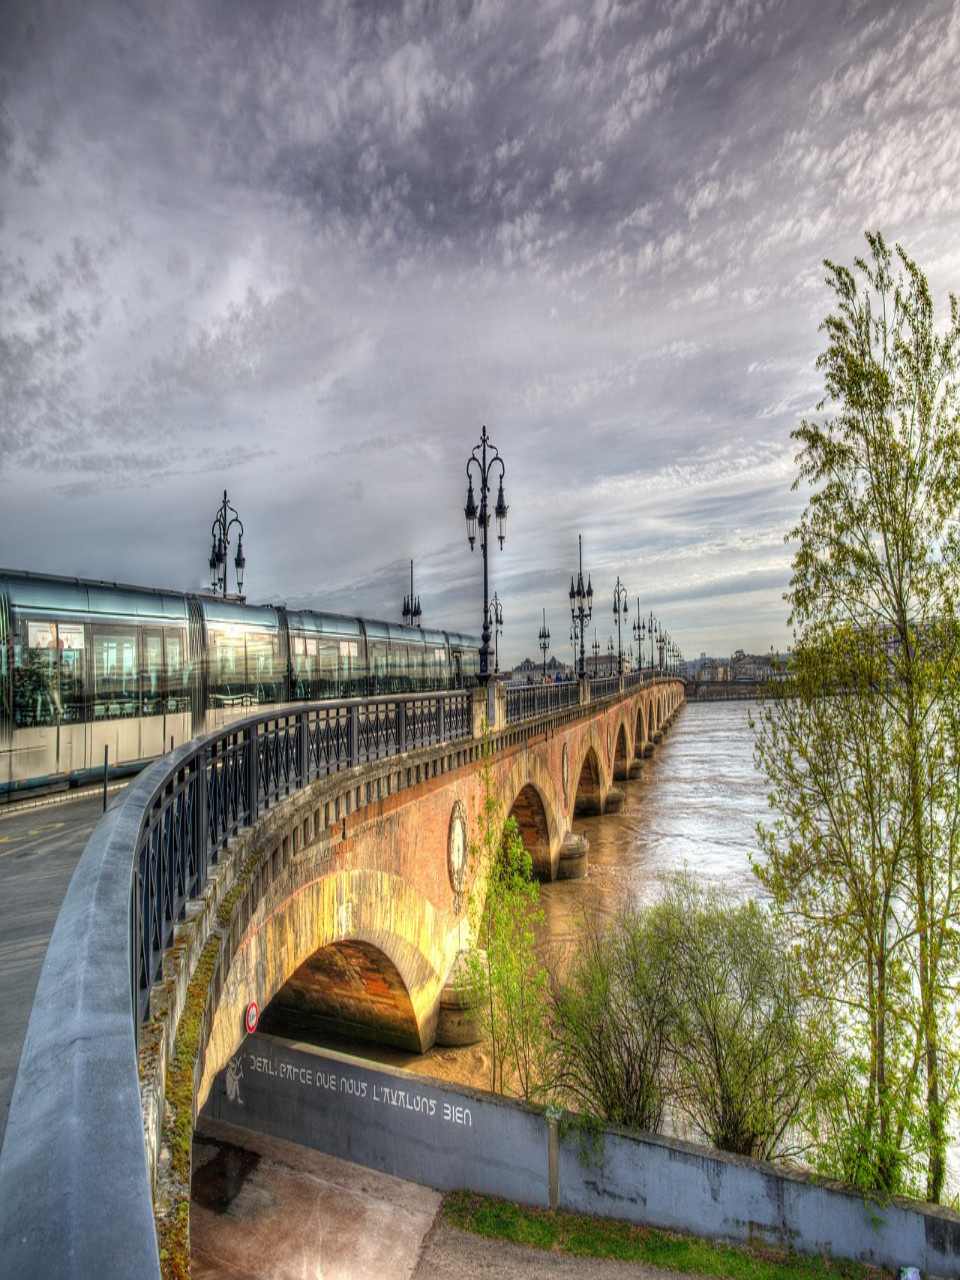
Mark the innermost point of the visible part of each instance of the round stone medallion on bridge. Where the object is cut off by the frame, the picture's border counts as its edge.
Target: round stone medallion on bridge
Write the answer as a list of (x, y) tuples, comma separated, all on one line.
[(457, 853)]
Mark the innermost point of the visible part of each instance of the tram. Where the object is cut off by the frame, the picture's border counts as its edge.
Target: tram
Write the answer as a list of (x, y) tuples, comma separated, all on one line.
[(93, 671)]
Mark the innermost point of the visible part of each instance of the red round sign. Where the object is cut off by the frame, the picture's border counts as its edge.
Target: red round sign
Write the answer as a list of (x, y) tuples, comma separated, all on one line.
[(253, 1014)]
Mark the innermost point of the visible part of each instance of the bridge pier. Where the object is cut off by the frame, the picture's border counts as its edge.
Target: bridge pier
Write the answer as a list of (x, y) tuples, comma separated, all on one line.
[(572, 864)]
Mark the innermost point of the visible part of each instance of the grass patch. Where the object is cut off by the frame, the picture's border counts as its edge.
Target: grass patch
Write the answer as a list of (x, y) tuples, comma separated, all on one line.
[(585, 1237)]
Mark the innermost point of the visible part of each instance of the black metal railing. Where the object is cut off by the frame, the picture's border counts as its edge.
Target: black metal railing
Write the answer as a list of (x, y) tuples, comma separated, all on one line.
[(603, 687), (529, 700), (225, 781)]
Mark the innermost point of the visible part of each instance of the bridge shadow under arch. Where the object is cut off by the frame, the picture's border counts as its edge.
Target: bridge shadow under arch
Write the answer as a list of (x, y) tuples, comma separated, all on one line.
[(349, 988)]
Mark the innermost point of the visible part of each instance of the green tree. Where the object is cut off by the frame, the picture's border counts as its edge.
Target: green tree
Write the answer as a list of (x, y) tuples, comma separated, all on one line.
[(863, 755), (504, 914), (610, 1016), (744, 1044)]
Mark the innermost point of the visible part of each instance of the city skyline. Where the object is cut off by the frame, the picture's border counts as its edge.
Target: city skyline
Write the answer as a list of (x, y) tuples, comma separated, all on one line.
[(305, 253)]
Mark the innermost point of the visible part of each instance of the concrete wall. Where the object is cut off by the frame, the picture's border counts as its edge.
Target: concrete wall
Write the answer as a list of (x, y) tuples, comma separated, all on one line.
[(395, 1122), (449, 1138)]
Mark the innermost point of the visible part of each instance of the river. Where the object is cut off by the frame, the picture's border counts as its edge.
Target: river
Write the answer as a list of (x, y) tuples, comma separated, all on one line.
[(694, 806)]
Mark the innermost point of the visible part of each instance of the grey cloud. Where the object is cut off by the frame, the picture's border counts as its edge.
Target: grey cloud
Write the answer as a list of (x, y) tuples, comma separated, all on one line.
[(306, 251)]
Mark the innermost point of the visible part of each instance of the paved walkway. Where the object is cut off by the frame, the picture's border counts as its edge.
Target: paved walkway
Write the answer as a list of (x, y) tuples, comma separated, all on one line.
[(262, 1207)]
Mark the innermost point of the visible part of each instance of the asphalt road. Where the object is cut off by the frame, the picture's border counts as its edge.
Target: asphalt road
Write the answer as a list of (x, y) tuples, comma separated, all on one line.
[(39, 849)]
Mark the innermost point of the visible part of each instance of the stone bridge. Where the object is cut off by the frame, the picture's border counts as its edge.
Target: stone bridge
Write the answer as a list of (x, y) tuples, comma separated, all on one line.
[(315, 861), (351, 910)]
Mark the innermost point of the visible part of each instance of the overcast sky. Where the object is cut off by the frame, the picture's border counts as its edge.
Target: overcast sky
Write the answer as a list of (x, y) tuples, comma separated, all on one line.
[(305, 251)]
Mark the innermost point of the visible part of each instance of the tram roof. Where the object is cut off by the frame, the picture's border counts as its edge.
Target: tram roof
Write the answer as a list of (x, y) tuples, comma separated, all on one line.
[(52, 594)]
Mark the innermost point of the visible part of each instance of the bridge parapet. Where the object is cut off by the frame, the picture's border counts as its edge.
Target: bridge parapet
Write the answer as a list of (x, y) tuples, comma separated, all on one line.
[(170, 850)]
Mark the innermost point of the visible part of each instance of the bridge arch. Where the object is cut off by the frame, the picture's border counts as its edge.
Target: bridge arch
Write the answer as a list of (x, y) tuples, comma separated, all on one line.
[(375, 925), (640, 740), (622, 752), (531, 796), (590, 779)]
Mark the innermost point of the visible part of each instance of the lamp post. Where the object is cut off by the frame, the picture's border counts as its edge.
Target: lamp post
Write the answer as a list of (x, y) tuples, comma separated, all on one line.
[(496, 625), (609, 655), (649, 629), (619, 612), (581, 606), (411, 606), (223, 522), (481, 518), (544, 643), (596, 654), (638, 635)]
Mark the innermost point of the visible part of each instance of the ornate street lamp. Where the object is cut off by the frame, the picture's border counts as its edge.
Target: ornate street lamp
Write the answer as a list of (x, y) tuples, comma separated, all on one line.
[(649, 629), (496, 625), (411, 606), (544, 643), (609, 655), (223, 522), (619, 612), (596, 654), (638, 635), (581, 606), (481, 518)]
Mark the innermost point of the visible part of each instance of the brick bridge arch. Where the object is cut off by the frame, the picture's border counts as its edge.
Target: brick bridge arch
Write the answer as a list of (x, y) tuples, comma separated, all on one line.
[(340, 906)]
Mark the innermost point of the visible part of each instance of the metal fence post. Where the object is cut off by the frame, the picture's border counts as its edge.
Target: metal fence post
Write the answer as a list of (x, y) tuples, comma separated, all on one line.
[(252, 774)]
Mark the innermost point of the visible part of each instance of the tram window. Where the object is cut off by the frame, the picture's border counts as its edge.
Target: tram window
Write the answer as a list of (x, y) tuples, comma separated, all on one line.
[(47, 673), (5, 706), (177, 686), (305, 668), (116, 689), (398, 664), (72, 659), (434, 668), (226, 666), (351, 670), (326, 670), (35, 680), (152, 673), (265, 680), (377, 652)]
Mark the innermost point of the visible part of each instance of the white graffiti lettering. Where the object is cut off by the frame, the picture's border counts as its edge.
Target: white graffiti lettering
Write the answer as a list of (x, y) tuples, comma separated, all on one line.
[(403, 1100), (357, 1088), (290, 1071), (457, 1115)]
